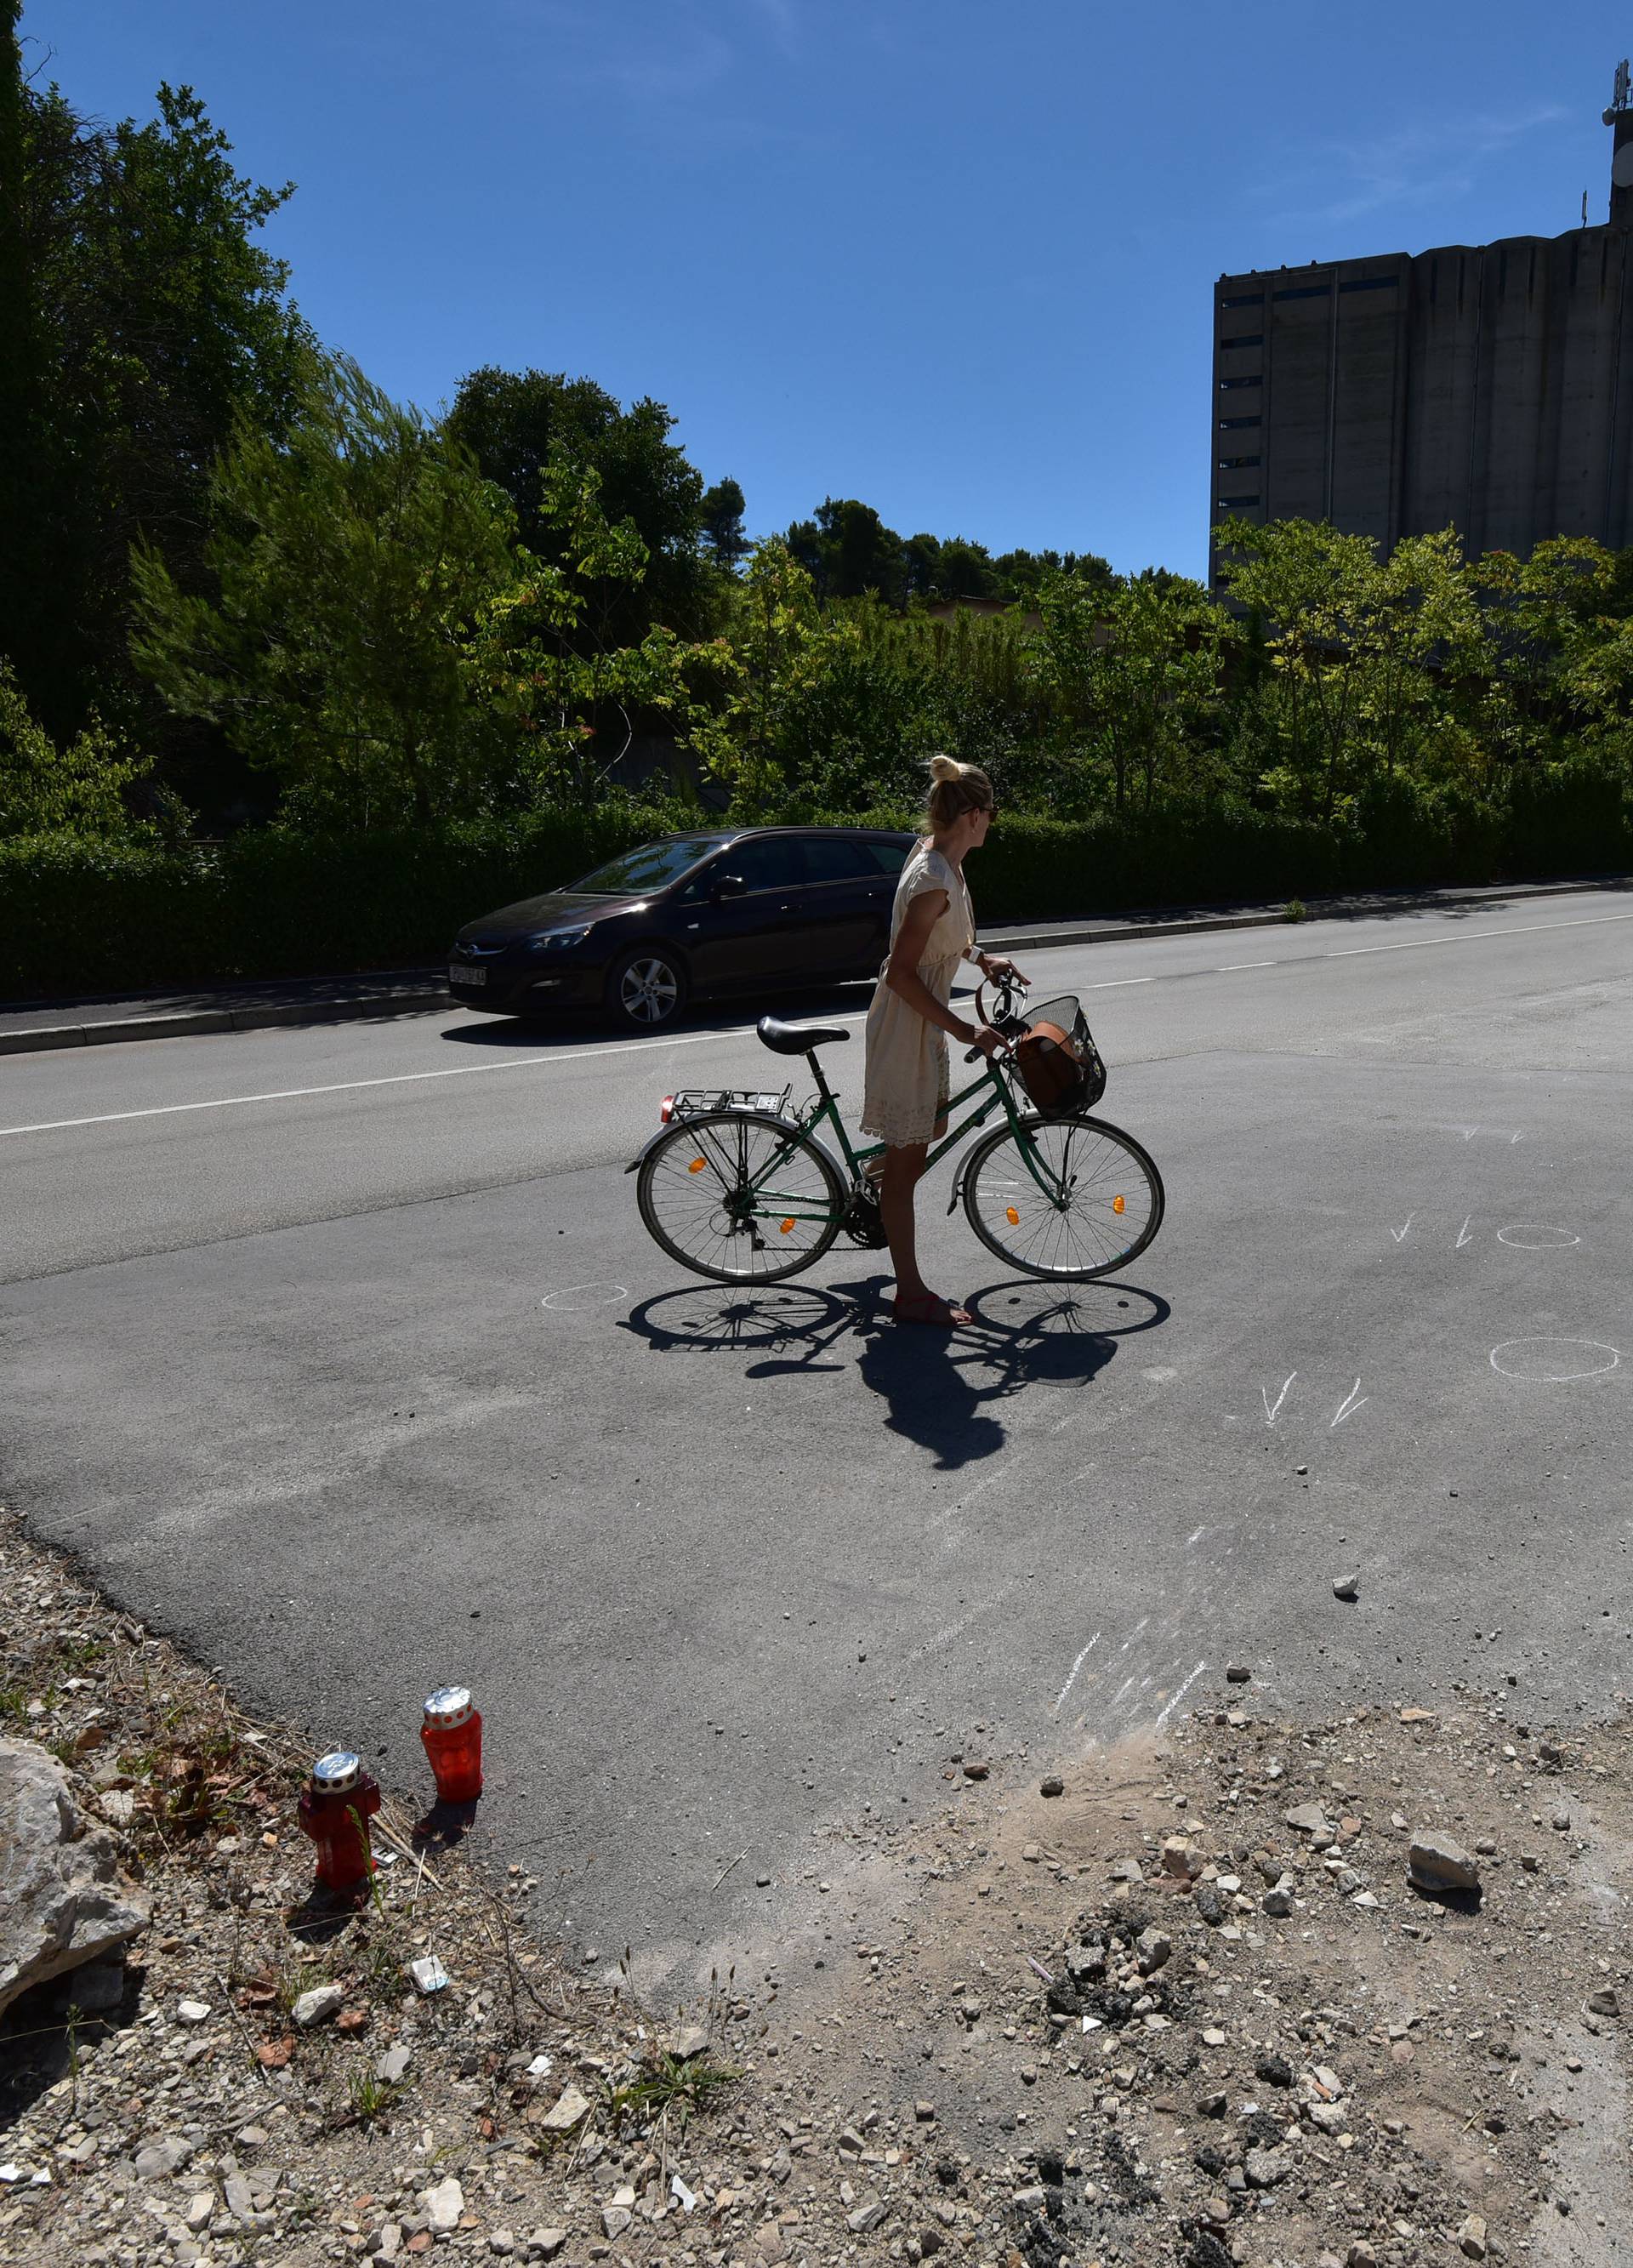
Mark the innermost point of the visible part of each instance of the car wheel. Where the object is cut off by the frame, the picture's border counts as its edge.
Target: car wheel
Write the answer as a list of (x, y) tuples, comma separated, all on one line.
[(646, 989)]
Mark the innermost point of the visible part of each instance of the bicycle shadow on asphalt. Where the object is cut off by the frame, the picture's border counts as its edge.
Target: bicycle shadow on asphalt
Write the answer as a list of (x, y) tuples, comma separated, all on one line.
[(938, 1386)]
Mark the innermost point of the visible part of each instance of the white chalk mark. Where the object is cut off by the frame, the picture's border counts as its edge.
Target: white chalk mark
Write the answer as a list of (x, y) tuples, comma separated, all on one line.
[(1196, 1534), (1134, 1633), (1061, 1697), (1536, 1236), (1462, 1233), (1270, 1410), (1534, 1361), (1170, 1706), (1399, 1234), (1469, 1133), (1351, 1404), (586, 1295), (1515, 1138)]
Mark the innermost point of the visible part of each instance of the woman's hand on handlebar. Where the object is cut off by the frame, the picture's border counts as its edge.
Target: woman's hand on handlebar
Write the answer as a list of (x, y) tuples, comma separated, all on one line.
[(987, 1042), (999, 969)]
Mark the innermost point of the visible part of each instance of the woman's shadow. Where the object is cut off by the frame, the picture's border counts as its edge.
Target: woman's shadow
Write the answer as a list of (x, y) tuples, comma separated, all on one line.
[(938, 1387)]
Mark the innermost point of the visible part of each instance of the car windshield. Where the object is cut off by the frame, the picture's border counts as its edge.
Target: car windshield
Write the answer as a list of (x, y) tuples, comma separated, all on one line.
[(652, 867)]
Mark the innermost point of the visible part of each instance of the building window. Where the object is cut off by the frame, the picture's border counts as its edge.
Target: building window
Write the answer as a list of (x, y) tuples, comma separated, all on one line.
[(1247, 299), (1232, 385), (1306, 292), (1238, 503), (1247, 339), (1238, 424), (1236, 464), (1371, 284)]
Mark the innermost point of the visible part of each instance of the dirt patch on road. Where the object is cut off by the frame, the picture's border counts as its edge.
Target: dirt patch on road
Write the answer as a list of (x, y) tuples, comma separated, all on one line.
[(1187, 2010)]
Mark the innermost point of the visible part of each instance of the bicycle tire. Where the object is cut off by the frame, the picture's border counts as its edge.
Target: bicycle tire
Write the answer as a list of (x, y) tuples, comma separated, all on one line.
[(994, 1194), (722, 1217)]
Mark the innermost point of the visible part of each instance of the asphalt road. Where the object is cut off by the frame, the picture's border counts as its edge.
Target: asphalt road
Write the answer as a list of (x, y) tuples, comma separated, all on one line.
[(342, 1354)]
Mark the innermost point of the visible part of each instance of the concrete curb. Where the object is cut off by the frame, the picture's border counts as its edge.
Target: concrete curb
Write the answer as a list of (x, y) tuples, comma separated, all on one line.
[(187, 1021)]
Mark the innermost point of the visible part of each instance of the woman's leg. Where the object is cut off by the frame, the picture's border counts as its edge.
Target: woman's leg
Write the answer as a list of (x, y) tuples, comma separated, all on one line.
[(904, 1168)]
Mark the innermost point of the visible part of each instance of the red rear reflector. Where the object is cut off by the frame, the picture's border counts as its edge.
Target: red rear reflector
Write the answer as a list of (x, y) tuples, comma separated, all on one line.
[(665, 1109)]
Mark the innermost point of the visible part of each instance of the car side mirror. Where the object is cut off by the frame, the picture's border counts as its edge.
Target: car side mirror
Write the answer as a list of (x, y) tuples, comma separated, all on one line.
[(729, 885)]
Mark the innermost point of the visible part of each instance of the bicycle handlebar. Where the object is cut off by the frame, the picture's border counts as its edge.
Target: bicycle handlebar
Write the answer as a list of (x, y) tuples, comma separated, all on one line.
[(1003, 1019)]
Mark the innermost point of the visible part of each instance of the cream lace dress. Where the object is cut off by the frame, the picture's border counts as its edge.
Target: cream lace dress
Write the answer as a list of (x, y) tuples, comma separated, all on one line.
[(906, 1086)]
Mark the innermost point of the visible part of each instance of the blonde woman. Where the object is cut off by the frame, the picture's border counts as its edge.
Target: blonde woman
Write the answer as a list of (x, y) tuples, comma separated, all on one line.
[(904, 1104)]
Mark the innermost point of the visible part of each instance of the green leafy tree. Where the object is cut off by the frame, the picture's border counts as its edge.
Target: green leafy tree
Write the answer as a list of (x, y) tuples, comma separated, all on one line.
[(349, 567), (80, 788), (517, 423), (149, 326), (722, 525)]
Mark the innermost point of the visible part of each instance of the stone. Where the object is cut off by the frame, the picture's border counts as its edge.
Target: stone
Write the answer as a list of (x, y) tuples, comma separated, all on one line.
[(1238, 1674), (545, 2244), (1053, 1786), (1436, 1863), (1182, 1858), (975, 1769), (1604, 2003), (503, 2241), (1209, 1903), (443, 2205), (615, 2219), (1529, 1862), (388, 2241), (690, 2040), (924, 2111), (1331, 2117), (866, 2215), (64, 1902), (1278, 1902), (1471, 2238), (1211, 2105), (1360, 2255), (154, 2160), (192, 2012), (1310, 1819), (317, 2005), (769, 2243), (564, 2114), (1347, 1588), (1274, 2070), (1155, 1948), (392, 2065), (1265, 2168), (201, 2207)]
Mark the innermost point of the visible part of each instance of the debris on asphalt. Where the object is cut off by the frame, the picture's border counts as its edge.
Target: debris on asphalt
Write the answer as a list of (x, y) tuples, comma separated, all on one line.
[(1347, 1588)]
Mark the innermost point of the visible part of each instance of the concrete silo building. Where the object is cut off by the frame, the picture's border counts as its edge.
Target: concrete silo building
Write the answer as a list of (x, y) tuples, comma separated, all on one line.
[(1489, 388)]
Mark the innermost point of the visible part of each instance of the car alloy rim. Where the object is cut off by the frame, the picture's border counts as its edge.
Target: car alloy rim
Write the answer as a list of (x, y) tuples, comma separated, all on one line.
[(649, 991)]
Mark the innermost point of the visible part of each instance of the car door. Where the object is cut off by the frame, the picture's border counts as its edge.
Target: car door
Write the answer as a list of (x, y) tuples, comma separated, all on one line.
[(849, 898), (750, 928)]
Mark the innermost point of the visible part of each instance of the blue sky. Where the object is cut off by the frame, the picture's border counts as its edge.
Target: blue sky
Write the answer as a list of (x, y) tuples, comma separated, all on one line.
[(951, 256)]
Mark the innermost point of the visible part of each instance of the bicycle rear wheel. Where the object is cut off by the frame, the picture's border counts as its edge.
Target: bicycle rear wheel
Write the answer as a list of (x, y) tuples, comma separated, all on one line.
[(740, 1197), (1084, 1202)]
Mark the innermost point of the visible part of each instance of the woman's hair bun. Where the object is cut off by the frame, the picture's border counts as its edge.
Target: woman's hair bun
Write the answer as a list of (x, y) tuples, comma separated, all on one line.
[(945, 768)]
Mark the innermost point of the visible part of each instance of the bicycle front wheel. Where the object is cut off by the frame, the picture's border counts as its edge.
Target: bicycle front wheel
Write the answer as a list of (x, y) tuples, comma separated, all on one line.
[(739, 1197), (1071, 1198)]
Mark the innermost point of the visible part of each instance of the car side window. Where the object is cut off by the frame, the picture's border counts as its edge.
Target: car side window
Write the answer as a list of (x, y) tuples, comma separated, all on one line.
[(888, 858), (767, 864), (829, 858)]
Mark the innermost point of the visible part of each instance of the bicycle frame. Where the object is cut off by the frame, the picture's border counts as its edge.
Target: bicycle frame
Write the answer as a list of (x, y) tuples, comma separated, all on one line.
[(993, 1090)]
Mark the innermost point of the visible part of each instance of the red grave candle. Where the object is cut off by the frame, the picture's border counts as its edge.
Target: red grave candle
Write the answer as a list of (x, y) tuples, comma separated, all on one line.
[(452, 1732), (336, 1804)]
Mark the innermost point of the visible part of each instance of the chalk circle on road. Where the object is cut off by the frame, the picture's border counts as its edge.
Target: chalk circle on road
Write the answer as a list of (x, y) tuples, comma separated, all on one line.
[(586, 1295), (1553, 1362), (1532, 1236)]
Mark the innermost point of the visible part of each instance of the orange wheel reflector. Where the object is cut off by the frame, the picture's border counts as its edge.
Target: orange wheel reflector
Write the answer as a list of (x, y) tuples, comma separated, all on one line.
[(1119, 1205), (1012, 1216), (697, 1166), (787, 1224)]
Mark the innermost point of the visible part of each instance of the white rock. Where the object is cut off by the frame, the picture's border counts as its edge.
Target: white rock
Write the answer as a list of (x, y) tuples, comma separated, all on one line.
[(317, 2005), (443, 2204), (64, 1903), (200, 2208), (564, 2114), (192, 2012)]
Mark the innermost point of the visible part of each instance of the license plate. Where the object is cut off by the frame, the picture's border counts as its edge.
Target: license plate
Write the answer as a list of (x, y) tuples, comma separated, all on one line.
[(457, 973)]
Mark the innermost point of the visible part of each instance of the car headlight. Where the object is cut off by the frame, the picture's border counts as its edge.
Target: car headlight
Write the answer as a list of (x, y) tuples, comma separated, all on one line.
[(556, 940)]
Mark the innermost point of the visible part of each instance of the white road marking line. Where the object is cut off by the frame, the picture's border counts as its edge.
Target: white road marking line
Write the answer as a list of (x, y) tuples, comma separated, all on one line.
[(1474, 936), (1169, 1707), (1225, 967), (397, 1078), (1076, 1666), (1113, 983)]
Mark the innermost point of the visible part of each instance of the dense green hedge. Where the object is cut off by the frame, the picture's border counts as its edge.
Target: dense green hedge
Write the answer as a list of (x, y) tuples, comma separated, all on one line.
[(78, 917)]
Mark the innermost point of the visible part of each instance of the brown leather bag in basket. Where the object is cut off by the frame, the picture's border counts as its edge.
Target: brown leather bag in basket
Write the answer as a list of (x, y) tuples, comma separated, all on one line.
[(1058, 1062)]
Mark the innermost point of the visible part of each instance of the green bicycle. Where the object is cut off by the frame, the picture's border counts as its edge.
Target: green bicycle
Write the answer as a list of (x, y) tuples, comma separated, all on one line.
[(740, 1187)]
